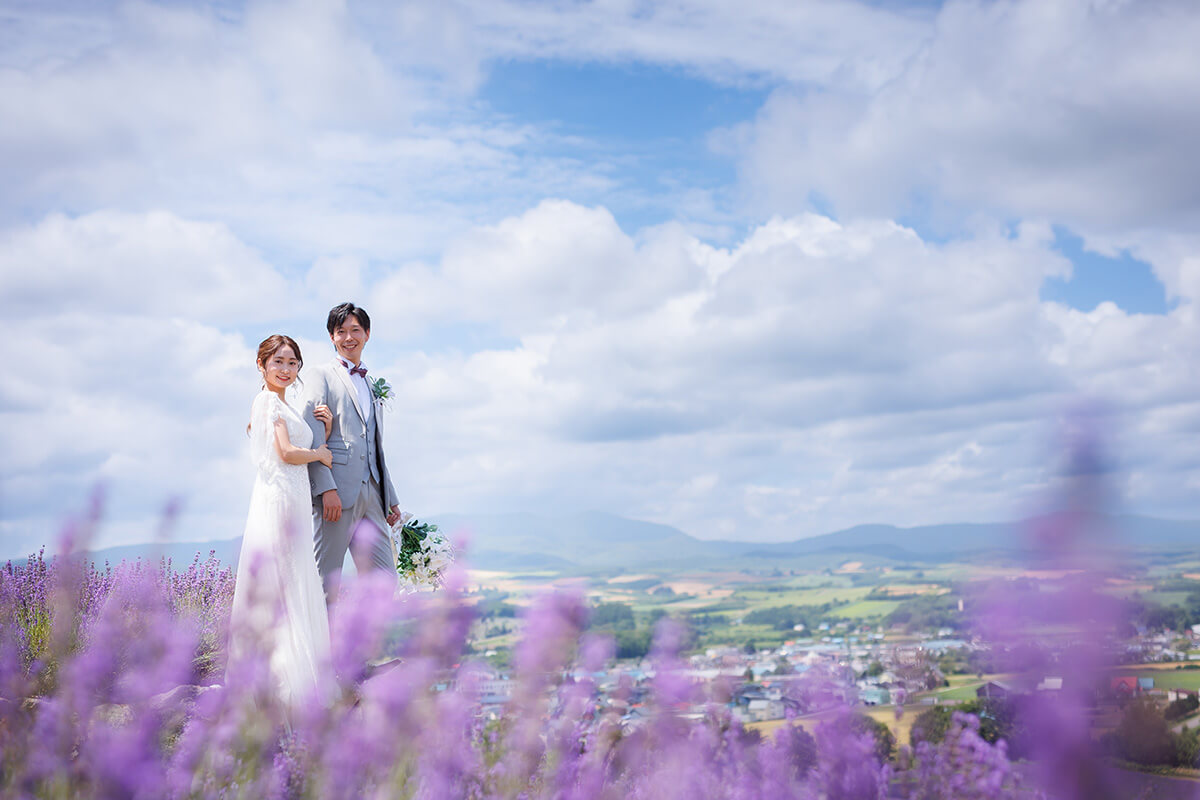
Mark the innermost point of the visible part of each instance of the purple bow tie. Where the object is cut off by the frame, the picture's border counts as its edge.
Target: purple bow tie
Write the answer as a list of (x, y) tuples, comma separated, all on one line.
[(359, 370)]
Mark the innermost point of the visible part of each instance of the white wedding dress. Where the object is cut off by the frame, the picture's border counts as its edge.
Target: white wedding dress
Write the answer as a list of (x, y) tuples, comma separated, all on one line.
[(278, 602)]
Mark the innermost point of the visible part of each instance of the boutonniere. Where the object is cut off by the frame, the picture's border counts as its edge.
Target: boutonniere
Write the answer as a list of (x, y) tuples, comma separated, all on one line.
[(381, 390)]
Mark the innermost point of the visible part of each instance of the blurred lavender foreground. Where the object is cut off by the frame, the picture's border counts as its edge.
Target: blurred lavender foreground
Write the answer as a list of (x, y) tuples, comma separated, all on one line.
[(113, 684)]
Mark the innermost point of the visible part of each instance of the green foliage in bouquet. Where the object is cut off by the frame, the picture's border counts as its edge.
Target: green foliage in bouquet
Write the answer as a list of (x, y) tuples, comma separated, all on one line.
[(423, 553), (412, 535)]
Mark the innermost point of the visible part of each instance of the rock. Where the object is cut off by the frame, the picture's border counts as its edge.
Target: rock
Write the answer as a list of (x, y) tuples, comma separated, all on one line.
[(377, 668), (180, 696), (115, 714)]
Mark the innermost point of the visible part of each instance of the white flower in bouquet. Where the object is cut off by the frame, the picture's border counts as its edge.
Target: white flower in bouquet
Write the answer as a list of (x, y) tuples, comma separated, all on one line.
[(423, 553)]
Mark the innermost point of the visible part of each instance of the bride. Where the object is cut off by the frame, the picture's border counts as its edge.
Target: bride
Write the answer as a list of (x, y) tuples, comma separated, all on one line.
[(278, 602)]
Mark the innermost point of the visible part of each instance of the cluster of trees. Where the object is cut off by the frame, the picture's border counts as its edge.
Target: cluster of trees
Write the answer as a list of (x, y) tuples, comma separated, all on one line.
[(613, 616), (999, 718), (618, 620), (920, 612), (1148, 615), (927, 612), (633, 637), (885, 740), (1177, 709), (785, 618), (930, 612), (492, 607), (1144, 737), (804, 747)]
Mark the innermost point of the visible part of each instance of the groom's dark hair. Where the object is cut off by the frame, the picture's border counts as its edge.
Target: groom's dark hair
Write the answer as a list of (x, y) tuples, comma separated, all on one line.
[(338, 314)]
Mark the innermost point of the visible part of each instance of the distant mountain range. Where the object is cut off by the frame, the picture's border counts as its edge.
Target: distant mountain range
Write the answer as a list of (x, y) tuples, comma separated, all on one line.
[(597, 541)]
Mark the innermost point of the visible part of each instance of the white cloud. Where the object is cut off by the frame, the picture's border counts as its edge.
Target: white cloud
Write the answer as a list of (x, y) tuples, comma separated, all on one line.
[(128, 383), (313, 128), (196, 80), (179, 179), (817, 375), (817, 41), (155, 263), (332, 280), (151, 408), (556, 261), (1081, 112)]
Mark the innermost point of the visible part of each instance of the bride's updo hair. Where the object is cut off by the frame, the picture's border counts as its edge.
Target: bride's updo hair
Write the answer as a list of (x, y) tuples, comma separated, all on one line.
[(270, 345)]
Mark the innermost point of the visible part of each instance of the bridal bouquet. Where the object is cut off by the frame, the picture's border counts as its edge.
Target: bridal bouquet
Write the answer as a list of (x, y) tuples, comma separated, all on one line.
[(422, 553)]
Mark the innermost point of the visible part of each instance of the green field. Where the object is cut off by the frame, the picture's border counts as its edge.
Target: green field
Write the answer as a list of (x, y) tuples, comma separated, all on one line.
[(868, 609), (1165, 678), (641, 604), (959, 694), (1167, 598), (758, 598), (901, 727), (818, 581), (722, 599), (719, 601), (763, 636)]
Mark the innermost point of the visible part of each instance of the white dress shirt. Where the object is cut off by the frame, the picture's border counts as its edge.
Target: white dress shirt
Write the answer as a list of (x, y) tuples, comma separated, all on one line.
[(360, 384)]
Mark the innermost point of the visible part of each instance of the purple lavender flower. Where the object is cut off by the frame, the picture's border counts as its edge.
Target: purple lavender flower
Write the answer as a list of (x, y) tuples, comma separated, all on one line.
[(113, 682)]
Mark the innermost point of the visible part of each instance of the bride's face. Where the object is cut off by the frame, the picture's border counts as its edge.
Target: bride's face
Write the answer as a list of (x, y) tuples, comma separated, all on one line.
[(281, 369)]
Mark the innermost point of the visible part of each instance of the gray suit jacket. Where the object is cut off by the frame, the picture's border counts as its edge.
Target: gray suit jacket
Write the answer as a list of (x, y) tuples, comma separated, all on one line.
[(329, 383)]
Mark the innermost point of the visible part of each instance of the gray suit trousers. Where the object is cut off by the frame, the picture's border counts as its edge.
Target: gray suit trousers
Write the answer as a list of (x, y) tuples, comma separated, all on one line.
[(363, 529)]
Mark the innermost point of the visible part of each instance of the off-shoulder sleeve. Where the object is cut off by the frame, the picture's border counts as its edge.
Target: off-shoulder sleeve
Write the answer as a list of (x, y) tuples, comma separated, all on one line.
[(263, 414)]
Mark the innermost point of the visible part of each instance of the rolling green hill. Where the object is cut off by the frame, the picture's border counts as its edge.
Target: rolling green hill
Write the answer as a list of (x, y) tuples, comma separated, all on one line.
[(602, 542)]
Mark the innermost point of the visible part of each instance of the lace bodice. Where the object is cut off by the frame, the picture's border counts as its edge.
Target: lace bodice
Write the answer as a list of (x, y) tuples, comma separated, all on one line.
[(271, 468)]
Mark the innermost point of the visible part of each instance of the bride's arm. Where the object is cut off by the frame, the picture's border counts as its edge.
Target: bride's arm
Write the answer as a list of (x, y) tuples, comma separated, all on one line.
[(290, 454)]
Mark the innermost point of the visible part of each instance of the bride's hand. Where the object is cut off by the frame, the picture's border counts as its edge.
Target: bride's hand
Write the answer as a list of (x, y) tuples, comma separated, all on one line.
[(324, 456), (323, 413)]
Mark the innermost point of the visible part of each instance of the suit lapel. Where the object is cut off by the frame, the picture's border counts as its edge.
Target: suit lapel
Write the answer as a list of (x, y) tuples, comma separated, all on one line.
[(344, 375)]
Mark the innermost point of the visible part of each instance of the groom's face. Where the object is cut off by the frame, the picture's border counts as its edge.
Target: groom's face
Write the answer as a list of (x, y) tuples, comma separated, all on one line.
[(349, 338)]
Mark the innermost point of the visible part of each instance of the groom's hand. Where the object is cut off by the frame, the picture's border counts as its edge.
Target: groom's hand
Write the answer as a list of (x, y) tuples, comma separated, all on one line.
[(394, 516), (332, 505)]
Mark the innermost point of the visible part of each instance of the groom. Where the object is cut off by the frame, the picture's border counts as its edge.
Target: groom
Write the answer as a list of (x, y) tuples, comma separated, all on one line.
[(354, 502)]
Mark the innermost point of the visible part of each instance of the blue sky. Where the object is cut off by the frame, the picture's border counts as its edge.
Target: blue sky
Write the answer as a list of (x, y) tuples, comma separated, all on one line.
[(648, 123), (653, 124), (759, 273), (1096, 278)]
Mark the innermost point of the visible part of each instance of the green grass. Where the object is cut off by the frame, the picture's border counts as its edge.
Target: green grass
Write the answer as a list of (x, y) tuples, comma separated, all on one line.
[(1171, 568), (959, 694), (761, 635), (942, 573), (498, 642), (756, 598), (1167, 598), (1166, 678), (819, 581), (34, 619), (645, 603)]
